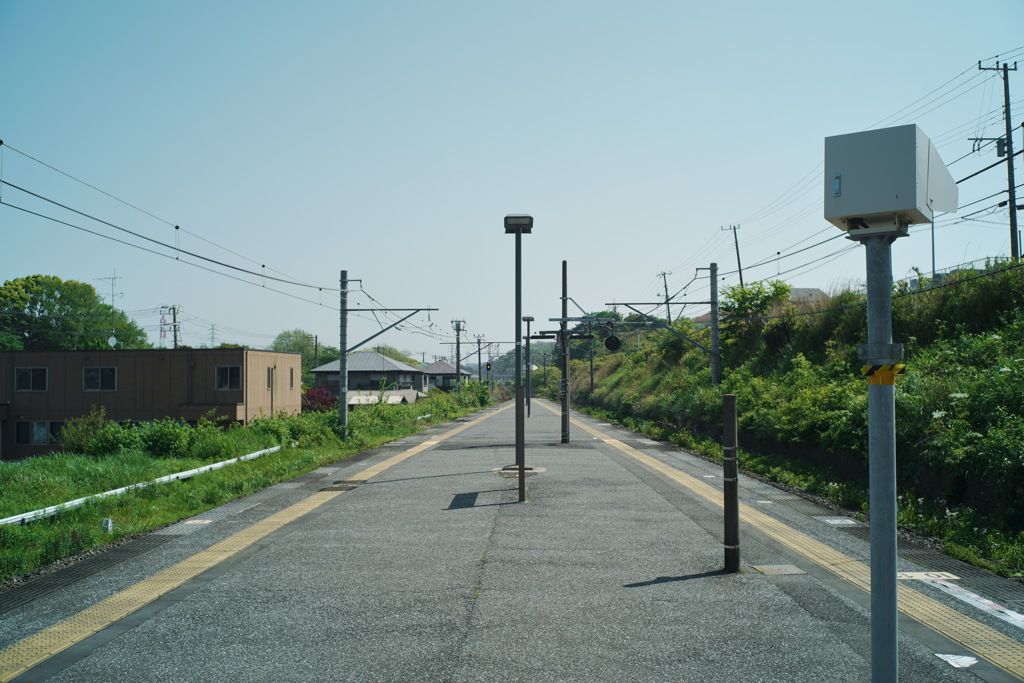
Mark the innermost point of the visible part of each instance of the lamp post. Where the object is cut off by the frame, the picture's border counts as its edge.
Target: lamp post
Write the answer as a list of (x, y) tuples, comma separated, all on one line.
[(529, 384), (519, 224)]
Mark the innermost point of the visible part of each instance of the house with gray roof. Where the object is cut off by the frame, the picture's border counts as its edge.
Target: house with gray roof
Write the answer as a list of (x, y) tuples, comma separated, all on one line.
[(367, 370), (441, 375)]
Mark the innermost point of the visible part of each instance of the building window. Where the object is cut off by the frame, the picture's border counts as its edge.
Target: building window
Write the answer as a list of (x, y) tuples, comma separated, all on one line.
[(291, 378), (31, 433), (99, 379), (55, 428), (270, 378), (30, 379), (229, 378)]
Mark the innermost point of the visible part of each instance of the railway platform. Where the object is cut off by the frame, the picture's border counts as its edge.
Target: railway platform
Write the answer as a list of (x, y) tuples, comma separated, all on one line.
[(418, 563)]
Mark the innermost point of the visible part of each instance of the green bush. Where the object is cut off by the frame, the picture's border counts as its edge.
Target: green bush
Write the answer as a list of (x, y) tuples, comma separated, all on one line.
[(77, 433), (167, 438)]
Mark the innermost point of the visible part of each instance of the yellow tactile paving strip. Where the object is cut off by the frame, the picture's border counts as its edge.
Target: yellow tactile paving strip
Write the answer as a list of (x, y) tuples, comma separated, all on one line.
[(986, 642), (35, 649)]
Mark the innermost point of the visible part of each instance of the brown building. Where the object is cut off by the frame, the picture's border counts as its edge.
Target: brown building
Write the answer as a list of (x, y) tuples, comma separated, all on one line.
[(39, 390)]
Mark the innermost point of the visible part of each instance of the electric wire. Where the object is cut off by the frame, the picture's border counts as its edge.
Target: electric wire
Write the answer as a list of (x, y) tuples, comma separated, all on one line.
[(163, 255), (133, 206), (162, 244)]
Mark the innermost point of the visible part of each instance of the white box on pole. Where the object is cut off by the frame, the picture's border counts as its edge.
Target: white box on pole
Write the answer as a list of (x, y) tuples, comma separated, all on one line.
[(890, 177)]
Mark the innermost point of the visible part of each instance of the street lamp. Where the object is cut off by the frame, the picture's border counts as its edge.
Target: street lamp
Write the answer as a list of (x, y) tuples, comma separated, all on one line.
[(529, 384), (519, 225)]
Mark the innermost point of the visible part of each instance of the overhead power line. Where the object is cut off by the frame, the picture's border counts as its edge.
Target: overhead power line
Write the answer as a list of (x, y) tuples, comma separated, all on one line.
[(157, 253), (158, 242), (177, 228)]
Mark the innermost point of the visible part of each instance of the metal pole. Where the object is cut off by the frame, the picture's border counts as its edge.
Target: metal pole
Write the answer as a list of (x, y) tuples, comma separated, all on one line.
[(564, 335), (458, 356), (590, 329), (479, 365), (882, 467), (343, 359), (668, 310), (529, 381), (730, 475), (716, 356), (520, 413)]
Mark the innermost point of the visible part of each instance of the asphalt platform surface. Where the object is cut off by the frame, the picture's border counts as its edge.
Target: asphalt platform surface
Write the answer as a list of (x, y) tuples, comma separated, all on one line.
[(432, 570)]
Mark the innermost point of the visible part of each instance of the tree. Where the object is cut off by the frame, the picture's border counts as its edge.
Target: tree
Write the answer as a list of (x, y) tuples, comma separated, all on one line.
[(45, 313), (394, 354), (744, 311), (304, 343)]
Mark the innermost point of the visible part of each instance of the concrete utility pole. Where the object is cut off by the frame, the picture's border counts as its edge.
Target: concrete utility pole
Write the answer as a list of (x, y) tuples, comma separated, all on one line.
[(736, 239), (174, 323), (1010, 182), (716, 356), (479, 365), (564, 340), (668, 311), (343, 358), (458, 353)]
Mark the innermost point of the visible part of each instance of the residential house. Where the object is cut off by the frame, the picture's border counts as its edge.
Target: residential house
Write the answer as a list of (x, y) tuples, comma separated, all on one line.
[(441, 375), (367, 370), (805, 297), (40, 390)]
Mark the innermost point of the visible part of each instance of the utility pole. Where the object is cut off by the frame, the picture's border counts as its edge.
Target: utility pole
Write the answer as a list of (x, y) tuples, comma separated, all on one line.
[(668, 311), (564, 339), (479, 365), (343, 357), (458, 353), (590, 329), (1010, 183), (113, 280), (164, 325), (736, 239), (174, 323), (716, 356), (213, 334)]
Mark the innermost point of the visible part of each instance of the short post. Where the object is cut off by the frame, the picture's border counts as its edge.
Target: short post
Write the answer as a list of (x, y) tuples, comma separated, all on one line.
[(730, 475)]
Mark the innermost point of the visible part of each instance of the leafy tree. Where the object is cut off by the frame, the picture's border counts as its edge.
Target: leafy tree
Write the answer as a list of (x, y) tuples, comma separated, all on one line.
[(302, 342), (394, 354), (45, 313), (744, 311)]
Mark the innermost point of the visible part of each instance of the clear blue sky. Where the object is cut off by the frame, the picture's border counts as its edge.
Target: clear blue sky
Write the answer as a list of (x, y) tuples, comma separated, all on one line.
[(390, 139)]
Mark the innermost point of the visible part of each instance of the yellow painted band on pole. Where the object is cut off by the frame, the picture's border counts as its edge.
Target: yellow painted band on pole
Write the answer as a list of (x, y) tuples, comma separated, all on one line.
[(873, 370)]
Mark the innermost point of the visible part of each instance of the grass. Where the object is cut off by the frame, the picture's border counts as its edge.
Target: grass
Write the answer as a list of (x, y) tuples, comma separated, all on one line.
[(49, 480)]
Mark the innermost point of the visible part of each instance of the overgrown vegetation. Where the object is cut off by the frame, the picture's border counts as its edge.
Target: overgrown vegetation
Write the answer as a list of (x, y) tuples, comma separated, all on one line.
[(101, 455), (960, 409)]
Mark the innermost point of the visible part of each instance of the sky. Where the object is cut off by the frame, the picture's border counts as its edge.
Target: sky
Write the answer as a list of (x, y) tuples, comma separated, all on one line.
[(389, 139)]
